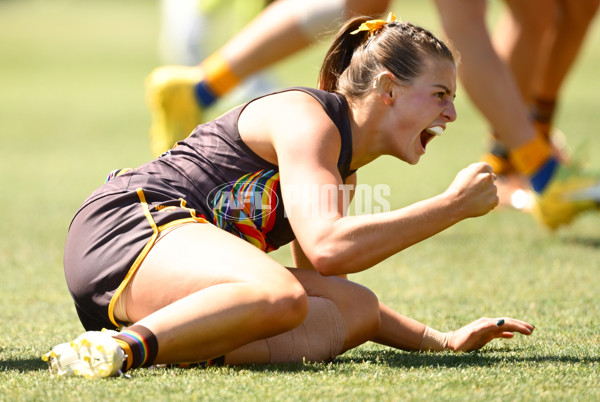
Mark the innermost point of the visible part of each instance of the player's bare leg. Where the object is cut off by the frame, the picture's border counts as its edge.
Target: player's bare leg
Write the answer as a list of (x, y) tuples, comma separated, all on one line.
[(204, 292)]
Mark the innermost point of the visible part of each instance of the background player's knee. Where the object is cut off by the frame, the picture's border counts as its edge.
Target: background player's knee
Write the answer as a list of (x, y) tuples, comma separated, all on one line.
[(316, 17)]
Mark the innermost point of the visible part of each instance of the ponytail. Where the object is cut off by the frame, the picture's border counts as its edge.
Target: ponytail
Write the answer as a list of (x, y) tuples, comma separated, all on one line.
[(340, 54)]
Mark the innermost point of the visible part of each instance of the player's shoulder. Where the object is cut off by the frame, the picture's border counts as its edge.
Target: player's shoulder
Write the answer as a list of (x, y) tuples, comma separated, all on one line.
[(301, 108)]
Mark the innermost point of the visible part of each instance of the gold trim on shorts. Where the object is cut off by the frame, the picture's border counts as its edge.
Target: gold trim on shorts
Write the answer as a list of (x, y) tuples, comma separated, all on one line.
[(158, 233)]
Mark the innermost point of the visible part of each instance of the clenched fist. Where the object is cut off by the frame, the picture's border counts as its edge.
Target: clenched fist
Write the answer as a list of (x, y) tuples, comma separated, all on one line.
[(473, 191)]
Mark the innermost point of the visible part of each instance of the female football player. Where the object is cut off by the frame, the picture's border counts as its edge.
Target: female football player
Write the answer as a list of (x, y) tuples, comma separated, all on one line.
[(175, 252)]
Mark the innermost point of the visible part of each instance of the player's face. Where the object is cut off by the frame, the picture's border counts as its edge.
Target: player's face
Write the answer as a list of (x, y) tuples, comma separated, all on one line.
[(417, 109)]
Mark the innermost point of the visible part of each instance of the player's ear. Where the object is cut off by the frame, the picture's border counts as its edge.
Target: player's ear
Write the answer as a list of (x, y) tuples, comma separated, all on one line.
[(384, 85)]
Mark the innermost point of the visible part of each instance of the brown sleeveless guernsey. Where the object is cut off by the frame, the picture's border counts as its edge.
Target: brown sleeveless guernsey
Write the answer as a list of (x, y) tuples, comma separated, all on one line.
[(210, 176)]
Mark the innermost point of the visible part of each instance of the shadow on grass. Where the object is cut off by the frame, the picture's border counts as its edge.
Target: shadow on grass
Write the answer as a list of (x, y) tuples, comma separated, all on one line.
[(481, 359), (23, 365), (404, 360), (388, 358)]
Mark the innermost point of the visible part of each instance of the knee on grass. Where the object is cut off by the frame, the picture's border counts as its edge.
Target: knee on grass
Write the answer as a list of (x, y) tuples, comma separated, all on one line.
[(362, 316)]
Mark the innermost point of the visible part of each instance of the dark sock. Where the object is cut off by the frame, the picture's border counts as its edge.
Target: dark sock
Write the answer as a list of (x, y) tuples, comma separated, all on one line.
[(542, 110), (140, 346)]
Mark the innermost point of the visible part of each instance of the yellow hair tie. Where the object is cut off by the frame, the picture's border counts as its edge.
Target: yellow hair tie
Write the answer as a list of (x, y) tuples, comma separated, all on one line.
[(374, 25)]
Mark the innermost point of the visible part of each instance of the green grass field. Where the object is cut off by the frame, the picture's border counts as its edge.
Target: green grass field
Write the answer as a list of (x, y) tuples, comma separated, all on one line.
[(72, 109)]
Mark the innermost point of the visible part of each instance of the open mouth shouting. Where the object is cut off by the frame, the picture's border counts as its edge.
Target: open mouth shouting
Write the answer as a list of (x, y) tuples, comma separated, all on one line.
[(428, 134)]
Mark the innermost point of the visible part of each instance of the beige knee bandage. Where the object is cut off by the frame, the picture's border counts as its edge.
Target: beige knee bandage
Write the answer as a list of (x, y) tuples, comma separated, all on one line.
[(319, 338)]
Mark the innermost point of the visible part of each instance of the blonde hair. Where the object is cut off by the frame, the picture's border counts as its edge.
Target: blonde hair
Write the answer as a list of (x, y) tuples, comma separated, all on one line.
[(353, 60)]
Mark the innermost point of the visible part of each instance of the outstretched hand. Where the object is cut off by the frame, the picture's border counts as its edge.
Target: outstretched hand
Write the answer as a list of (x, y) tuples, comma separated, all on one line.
[(477, 334)]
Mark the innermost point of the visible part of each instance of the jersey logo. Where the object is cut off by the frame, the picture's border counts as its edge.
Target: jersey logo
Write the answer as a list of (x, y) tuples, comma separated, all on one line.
[(246, 207)]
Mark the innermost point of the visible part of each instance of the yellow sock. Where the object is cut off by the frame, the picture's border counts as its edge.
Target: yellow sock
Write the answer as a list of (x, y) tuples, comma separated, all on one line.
[(218, 79), (500, 165), (530, 157)]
